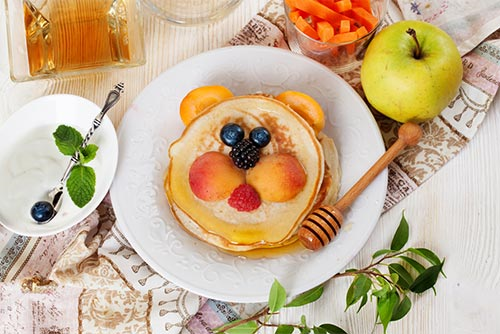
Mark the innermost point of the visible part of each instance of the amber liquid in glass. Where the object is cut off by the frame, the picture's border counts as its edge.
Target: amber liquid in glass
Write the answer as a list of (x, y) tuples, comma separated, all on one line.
[(68, 35)]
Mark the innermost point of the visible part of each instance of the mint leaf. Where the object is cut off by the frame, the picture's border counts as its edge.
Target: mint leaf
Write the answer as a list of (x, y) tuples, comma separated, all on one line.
[(68, 139), (277, 297), (81, 185), (88, 153)]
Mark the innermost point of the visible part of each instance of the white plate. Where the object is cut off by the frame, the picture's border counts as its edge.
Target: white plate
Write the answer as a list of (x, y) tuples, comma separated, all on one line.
[(153, 122), (31, 164)]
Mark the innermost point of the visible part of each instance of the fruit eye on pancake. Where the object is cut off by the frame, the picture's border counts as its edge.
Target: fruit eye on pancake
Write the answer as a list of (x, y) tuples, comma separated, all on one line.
[(239, 204)]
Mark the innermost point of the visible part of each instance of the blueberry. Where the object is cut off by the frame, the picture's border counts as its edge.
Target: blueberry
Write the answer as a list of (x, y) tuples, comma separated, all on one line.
[(260, 136), (42, 211), (231, 134)]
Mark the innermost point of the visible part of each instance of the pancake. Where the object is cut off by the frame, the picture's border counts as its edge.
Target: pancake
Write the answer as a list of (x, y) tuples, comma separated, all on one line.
[(272, 224)]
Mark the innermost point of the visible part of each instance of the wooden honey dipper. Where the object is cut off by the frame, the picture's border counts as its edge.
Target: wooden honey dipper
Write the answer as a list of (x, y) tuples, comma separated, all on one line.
[(323, 224)]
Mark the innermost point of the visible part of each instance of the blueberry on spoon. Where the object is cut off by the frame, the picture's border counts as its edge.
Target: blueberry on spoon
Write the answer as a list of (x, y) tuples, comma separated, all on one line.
[(42, 211)]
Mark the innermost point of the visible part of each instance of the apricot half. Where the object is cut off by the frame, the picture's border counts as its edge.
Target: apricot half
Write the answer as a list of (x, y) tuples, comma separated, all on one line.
[(277, 177), (307, 107), (213, 176), (199, 99)]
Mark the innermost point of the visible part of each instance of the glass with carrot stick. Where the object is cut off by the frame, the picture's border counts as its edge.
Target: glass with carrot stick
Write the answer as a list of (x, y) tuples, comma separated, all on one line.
[(333, 32)]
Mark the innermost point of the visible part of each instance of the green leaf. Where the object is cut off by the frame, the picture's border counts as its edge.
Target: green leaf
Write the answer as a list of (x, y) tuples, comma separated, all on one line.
[(81, 185), (68, 139), (88, 153), (402, 309), (363, 302), (306, 297), (277, 297), (426, 254), (401, 236), (413, 263), (245, 328), (386, 306), (380, 252), (319, 330), (427, 279), (284, 329), (405, 278), (381, 293), (332, 329), (305, 330), (359, 287)]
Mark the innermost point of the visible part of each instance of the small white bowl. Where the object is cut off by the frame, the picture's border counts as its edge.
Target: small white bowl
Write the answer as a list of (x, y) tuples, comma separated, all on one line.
[(31, 164)]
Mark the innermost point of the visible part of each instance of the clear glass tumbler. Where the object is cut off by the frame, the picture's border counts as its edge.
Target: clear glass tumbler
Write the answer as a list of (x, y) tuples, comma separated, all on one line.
[(339, 57), (51, 38), (191, 12)]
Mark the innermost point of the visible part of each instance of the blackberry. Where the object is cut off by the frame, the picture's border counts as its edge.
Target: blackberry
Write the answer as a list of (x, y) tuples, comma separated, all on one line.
[(245, 154)]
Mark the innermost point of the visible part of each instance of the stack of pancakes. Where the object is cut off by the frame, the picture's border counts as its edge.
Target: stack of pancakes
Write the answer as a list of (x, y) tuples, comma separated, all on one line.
[(272, 224)]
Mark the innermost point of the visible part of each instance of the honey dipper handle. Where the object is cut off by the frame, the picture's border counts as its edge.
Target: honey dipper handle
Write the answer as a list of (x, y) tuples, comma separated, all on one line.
[(408, 135)]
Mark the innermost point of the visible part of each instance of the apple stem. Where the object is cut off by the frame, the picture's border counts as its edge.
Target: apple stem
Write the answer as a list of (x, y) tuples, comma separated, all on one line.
[(418, 53)]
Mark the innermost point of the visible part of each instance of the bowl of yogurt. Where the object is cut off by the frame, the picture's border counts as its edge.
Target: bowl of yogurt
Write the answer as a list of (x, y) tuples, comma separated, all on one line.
[(31, 164)]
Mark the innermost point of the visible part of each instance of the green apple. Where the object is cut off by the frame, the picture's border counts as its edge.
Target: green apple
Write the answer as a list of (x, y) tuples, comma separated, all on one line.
[(411, 71)]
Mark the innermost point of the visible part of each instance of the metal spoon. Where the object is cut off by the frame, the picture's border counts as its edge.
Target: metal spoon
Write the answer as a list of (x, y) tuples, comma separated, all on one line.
[(44, 211)]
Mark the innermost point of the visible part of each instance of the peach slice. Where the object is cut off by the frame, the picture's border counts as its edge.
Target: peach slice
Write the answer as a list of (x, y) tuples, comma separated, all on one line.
[(307, 107), (277, 177), (213, 176), (199, 99)]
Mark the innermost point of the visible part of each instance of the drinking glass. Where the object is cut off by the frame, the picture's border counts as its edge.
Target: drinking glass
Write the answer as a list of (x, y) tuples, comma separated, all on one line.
[(50, 38), (339, 57), (191, 12)]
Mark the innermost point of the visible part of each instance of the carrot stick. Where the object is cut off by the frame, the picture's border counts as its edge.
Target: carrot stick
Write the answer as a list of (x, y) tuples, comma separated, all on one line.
[(306, 28), (363, 4), (361, 31), (344, 38), (294, 15), (341, 6), (345, 26), (365, 18), (317, 9), (325, 31)]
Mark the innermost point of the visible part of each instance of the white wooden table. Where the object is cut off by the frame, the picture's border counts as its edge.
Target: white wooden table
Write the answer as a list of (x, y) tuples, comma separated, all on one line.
[(456, 212)]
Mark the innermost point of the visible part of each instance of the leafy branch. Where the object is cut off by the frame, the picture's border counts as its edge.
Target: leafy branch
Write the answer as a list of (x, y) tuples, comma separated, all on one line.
[(407, 271), (82, 179)]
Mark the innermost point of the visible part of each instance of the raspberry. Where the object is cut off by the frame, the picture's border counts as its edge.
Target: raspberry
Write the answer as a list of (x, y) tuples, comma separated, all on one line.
[(244, 198)]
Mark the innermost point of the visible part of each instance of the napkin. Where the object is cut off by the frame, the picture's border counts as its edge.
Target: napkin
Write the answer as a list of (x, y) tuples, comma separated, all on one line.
[(88, 279)]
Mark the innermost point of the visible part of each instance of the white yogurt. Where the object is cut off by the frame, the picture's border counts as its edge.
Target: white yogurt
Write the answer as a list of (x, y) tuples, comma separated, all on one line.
[(32, 167)]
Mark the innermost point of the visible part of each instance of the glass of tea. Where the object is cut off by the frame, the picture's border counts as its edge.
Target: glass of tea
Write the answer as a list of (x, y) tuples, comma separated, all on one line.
[(190, 12), (50, 38)]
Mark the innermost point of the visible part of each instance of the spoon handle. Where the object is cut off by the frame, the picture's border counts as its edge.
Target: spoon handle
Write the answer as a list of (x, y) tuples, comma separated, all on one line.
[(113, 97)]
